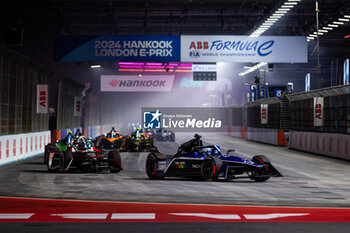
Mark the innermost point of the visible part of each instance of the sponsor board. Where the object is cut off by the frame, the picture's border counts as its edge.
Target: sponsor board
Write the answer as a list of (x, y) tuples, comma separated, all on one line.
[(41, 98), (318, 111), (281, 49), (117, 48), (134, 83), (264, 114), (77, 105), (185, 119)]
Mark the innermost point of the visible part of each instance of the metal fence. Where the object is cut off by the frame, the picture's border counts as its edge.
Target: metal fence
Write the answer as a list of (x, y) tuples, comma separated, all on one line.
[(274, 117), (19, 77), (336, 110), (68, 89)]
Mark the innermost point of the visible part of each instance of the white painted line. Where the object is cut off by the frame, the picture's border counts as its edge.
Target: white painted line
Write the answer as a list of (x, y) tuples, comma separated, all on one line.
[(203, 215), (270, 216), (15, 216), (81, 216), (134, 216)]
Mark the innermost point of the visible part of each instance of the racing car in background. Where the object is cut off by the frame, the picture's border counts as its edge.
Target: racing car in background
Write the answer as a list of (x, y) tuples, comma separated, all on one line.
[(82, 154), (136, 142), (140, 140), (164, 135), (193, 160)]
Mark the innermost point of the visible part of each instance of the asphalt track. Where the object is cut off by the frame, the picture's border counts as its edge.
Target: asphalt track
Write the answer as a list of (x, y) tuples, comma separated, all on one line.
[(309, 181)]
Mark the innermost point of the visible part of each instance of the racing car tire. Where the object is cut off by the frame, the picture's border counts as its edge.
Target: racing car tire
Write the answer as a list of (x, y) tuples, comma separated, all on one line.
[(116, 167), (151, 167), (172, 137), (47, 164), (61, 163), (210, 168), (263, 160)]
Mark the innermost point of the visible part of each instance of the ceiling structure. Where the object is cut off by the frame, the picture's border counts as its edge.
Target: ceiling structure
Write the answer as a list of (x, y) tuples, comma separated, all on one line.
[(44, 18), (41, 20)]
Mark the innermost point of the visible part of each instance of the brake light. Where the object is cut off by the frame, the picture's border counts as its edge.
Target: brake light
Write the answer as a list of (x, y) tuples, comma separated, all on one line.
[(95, 149)]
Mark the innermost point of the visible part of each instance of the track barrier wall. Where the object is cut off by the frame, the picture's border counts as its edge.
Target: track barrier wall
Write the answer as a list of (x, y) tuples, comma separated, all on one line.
[(17, 147), (334, 145)]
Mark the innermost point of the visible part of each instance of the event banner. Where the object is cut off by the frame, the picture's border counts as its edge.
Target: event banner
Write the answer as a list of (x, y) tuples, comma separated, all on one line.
[(270, 49), (318, 111), (264, 113), (78, 105), (117, 48), (134, 83), (196, 119), (41, 98)]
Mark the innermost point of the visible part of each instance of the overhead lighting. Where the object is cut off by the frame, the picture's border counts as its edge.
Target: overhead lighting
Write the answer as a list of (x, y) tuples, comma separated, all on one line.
[(320, 30), (287, 6), (95, 66), (327, 28), (251, 69), (344, 20), (312, 35), (277, 14), (333, 25), (336, 22), (347, 16), (319, 33), (310, 38)]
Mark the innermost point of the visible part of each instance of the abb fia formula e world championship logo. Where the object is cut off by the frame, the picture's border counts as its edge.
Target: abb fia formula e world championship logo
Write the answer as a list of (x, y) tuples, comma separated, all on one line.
[(195, 46), (152, 120)]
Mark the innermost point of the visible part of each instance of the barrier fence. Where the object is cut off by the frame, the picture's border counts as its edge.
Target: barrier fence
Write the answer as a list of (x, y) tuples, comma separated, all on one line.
[(21, 146), (19, 77), (334, 112)]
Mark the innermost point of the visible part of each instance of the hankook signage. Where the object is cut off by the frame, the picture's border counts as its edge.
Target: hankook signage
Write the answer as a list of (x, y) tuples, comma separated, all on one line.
[(134, 83)]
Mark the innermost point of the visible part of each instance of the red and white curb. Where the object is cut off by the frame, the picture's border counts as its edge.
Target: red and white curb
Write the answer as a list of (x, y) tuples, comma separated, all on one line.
[(43, 210)]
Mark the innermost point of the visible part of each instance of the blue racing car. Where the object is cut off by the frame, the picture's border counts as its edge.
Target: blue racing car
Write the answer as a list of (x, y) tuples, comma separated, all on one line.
[(193, 160)]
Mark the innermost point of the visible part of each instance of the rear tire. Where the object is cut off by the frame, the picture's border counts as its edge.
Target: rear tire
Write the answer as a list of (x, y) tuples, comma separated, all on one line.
[(116, 165), (61, 163), (210, 168), (151, 167), (262, 160)]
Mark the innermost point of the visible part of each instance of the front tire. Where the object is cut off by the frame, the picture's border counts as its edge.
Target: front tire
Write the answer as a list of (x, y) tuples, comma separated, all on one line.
[(151, 167), (210, 168), (261, 175), (172, 137)]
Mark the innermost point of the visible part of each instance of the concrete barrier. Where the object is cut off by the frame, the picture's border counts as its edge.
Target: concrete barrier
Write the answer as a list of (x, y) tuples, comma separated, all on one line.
[(334, 145), (234, 131), (268, 136), (16, 147)]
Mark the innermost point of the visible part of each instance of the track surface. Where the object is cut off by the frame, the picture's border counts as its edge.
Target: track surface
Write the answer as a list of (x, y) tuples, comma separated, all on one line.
[(309, 180)]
